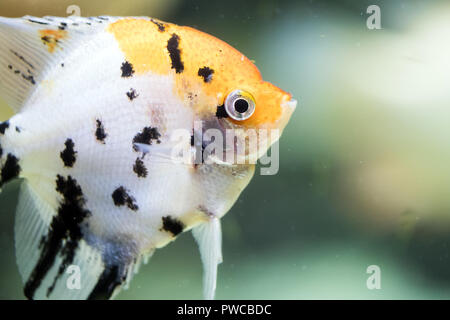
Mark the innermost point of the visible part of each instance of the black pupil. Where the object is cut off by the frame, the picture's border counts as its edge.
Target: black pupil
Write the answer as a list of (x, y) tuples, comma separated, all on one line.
[(241, 105)]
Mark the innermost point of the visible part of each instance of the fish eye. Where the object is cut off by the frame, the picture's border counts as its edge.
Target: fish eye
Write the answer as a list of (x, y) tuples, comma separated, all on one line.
[(240, 105)]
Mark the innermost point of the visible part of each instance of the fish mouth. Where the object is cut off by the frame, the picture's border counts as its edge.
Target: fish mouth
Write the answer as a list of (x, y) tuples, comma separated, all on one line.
[(288, 108), (291, 104)]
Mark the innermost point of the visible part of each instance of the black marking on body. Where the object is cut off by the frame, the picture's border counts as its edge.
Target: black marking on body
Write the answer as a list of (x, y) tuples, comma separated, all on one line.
[(140, 169), (160, 25), (11, 169), (172, 225), (206, 73), (63, 237), (100, 133), (68, 155), (29, 78), (127, 69), (17, 129), (221, 112), (3, 127), (147, 136), (175, 53), (22, 58), (95, 19), (47, 39), (38, 22), (1, 153), (62, 65), (132, 94), (121, 197), (109, 280)]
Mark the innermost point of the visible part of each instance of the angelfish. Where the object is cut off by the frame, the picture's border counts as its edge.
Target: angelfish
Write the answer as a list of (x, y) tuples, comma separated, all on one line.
[(96, 103)]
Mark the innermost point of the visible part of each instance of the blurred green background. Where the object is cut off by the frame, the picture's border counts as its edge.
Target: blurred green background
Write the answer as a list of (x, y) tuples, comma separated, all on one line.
[(364, 175)]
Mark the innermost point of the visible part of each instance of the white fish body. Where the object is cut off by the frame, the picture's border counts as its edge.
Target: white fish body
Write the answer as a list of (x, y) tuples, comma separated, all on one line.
[(92, 140)]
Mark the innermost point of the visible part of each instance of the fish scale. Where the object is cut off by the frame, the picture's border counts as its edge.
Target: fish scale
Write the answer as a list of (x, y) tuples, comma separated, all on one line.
[(98, 102)]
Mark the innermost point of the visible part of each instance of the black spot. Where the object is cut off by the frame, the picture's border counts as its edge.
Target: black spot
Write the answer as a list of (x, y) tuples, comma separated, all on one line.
[(127, 69), (63, 26), (206, 73), (172, 225), (63, 236), (46, 39), (100, 133), (17, 129), (108, 282), (132, 94), (161, 26), (147, 136), (4, 126), (22, 58), (62, 65), (140, 169), (68, 155), (11, 169), (221, 112), (38, 22), (192, 140), (29, 78), (121, 197), (175, 53)]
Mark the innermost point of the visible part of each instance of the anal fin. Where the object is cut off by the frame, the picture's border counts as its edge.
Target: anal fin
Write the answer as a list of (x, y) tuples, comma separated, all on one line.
[(209, 239)]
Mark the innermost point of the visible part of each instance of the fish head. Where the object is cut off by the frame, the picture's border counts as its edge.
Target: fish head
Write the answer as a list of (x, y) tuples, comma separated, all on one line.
[(220, 85), (231, 97)]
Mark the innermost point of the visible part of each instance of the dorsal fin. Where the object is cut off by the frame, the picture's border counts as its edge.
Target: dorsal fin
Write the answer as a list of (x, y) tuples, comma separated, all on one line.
[(30, 46)]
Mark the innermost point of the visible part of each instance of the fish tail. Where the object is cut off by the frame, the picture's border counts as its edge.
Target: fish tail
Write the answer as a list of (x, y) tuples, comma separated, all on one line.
[(58, 256)]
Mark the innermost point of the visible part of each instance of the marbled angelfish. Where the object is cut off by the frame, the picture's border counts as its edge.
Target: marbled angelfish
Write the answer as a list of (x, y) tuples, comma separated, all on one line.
[(96, 102)]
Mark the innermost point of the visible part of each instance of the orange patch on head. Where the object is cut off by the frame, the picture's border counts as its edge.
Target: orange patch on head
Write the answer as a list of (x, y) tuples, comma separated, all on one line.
[(50, 38), (143, 44), (202, 66)]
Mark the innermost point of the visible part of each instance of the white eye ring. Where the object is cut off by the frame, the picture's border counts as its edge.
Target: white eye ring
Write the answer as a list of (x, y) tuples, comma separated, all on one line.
[(239, 105)]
